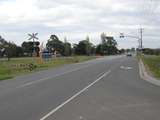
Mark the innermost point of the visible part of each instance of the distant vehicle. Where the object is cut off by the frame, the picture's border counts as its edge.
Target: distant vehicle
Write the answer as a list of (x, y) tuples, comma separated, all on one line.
[(129, 55)]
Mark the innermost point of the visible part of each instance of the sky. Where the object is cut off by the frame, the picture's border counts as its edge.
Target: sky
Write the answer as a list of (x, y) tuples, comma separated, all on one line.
[(76, 19)]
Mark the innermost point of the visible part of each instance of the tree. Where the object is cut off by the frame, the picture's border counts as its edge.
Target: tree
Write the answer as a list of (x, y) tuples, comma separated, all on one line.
[(99, 49), (150, 51), (19, 51), (67, 48), (2, 49), (103, 38), (9, 49), (74, 49), (133, 49), (54, 44), (111, 46), (80, 48), (28, 48), (122, 51), (84, 47), (108, 45)]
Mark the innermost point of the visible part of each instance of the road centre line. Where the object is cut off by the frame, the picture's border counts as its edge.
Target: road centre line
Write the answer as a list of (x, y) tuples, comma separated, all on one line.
[(74, 96), (43, 79)]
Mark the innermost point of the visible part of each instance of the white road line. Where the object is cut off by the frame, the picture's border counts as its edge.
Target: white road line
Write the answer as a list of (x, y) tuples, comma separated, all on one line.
[(74, 96), (43, 79), (126, 68)]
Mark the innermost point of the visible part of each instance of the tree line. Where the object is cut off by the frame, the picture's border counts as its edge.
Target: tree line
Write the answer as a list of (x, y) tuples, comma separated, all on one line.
[(107, 46), (149, 51)]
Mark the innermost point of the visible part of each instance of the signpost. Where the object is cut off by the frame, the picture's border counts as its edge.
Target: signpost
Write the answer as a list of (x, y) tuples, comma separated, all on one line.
[(33, 37)]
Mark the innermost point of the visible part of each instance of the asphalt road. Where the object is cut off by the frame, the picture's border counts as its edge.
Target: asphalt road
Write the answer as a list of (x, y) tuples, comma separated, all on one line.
[(107, 88)]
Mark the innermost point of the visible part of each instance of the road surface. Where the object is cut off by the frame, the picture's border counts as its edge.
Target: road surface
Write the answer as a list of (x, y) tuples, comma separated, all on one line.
[(108, 88)]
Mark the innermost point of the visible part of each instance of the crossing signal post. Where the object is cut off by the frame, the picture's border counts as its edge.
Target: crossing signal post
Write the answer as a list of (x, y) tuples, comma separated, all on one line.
[(33, 37)]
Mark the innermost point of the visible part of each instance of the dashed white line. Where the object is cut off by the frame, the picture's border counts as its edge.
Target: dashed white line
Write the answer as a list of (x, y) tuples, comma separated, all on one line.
[(74, 96)]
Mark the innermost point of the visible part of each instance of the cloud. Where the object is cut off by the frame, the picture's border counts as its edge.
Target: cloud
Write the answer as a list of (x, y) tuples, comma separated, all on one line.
[(76, 19)]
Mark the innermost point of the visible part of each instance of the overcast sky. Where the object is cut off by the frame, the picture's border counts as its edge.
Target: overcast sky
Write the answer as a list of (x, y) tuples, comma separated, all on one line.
[(76, 19)]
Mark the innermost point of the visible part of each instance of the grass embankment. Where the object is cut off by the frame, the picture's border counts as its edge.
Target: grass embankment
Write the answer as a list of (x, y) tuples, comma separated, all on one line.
[(153, 64), (17, 66)]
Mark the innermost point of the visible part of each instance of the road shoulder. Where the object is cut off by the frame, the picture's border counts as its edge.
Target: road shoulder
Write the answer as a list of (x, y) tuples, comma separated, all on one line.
[(146, 76)]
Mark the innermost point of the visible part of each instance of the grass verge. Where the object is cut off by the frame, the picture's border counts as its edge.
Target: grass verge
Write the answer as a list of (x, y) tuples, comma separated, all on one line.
[(19, 66), (153, 64)]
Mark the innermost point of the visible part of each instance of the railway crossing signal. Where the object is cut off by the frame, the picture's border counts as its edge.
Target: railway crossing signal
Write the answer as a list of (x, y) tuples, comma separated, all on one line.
[(33, 37)]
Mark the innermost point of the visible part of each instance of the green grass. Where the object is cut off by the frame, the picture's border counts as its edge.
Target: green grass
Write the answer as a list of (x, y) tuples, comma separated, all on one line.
[(10, 69), (153, 64), (4, 73)]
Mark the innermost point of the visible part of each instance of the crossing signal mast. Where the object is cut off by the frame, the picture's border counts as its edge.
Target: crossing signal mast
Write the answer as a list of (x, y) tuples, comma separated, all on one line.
[(33, 37), (139, 38)]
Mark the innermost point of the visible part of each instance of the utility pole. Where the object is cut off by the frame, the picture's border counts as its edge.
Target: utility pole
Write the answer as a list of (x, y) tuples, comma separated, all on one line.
[(141, 38)]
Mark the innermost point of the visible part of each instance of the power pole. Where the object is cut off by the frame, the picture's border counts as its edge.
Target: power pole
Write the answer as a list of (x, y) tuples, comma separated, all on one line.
[(141, 38)]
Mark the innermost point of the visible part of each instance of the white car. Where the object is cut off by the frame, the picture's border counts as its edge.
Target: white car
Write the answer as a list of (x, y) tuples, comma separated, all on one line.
[(129, 55)]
